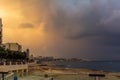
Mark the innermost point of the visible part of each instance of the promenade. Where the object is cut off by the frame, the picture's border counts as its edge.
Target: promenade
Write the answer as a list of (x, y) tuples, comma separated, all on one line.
[(16, 67)]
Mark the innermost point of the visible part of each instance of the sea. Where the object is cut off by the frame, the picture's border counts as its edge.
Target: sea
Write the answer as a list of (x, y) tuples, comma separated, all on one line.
[(112, 66)]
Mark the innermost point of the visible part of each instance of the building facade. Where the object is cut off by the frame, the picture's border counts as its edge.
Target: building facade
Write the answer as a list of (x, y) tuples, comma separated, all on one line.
[(0, 31), (13, 47)]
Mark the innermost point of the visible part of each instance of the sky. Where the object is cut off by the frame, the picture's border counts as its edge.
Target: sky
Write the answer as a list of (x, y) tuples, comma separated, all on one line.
[(87, 29)]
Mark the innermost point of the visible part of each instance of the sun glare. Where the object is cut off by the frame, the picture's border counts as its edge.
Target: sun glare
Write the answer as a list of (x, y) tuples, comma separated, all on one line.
[(3, 13)]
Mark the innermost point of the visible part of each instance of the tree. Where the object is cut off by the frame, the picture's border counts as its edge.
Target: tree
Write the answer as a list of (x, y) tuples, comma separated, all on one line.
[(12, 55)]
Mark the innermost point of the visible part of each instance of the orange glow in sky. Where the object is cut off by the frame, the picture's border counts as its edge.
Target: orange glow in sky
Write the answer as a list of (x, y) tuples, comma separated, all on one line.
[(12, 16), (3, 13), (63, 28)]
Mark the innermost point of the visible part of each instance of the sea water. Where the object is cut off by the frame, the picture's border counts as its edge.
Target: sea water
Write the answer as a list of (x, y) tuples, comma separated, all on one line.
[(112, 66)]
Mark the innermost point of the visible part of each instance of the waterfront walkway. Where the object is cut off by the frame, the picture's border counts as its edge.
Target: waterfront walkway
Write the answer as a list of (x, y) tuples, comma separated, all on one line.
[(16, 67)]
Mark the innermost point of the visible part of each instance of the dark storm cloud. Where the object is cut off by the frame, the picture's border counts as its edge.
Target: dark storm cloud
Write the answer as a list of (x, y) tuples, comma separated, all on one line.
[(26, 25), (97, 18), (92, 23), (111, 40), (78, 19)]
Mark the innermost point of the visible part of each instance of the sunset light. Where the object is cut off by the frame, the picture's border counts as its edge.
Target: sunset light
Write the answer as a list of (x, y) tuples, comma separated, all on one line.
[(64, 28), (60, 39), (3, 13)]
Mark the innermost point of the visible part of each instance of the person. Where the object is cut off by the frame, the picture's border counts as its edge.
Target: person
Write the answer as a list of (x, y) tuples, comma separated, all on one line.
[(15, 77)]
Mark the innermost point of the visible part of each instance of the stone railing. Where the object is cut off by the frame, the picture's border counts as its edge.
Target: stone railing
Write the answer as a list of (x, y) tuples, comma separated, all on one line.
[(13, 67)]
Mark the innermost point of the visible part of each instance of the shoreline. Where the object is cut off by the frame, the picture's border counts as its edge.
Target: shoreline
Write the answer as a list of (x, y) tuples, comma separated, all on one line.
[(38, 73), (94, 65), (45, 68), (58, 70)]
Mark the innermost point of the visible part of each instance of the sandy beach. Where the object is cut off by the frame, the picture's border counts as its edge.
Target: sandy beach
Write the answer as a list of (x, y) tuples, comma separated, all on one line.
[(38, 73)]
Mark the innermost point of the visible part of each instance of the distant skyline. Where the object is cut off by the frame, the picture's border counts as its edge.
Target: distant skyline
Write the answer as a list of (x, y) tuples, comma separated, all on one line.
[(87, 29)]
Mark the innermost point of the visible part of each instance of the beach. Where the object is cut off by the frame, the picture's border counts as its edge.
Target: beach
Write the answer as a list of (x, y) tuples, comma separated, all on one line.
[(49, 73)]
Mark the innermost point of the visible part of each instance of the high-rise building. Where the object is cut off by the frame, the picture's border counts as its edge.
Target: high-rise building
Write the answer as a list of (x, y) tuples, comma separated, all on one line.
[(0, 31)]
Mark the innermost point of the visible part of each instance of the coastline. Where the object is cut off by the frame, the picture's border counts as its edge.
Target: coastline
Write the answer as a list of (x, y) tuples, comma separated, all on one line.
[(69, 73)]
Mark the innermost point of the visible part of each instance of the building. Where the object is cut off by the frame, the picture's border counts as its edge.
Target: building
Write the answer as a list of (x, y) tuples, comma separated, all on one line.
[(0, 31), (13, 47)]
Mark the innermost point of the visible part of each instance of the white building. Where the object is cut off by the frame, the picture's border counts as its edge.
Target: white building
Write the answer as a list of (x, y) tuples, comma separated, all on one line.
[(13, 46)]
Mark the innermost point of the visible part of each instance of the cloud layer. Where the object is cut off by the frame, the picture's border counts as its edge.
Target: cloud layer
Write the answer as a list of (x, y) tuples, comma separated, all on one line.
[(73, 28)]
